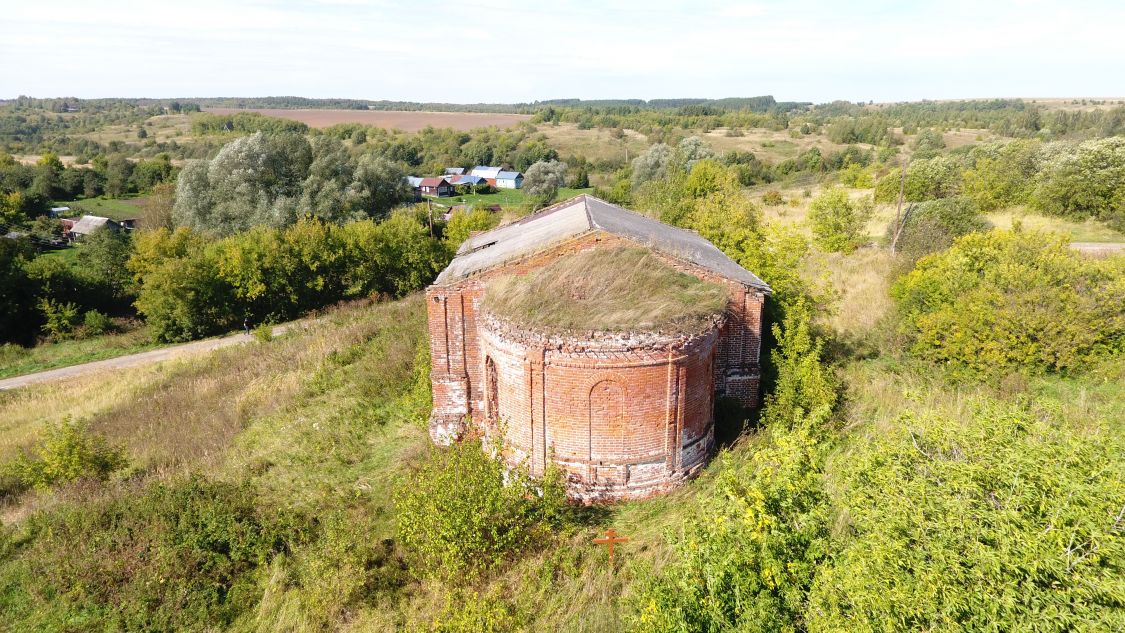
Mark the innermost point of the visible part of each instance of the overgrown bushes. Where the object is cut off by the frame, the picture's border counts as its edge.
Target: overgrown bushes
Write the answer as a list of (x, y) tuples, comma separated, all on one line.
[(1007, 519), (1073, 180), (462, 512), (748, 561), (1004, 301), (191, 286), (181, 555), (67, 452), (932, 226), (838, 222)]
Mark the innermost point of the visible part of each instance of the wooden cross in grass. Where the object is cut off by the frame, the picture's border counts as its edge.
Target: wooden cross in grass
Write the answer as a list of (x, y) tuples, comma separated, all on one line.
[(610, 539)]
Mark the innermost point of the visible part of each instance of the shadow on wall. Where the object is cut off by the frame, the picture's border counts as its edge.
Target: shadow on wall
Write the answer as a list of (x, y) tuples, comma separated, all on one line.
[(732, 420)]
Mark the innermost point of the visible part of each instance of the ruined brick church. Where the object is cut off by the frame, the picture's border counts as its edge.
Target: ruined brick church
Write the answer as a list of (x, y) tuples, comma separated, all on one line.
[(626, 411)]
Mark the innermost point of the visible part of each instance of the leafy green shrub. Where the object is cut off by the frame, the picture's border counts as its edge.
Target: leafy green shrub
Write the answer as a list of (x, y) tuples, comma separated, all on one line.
[(462, 512), (1002, 174), (1084, 181), (95, 323), (804, 385), (1007, 519), (749, 559), (68, 452), (60, 318), (930, 179), (1002, 301), (185, 555), (932, 226), (772, 198), (857, 176), (838, 222), (470, 612), (263, 333)]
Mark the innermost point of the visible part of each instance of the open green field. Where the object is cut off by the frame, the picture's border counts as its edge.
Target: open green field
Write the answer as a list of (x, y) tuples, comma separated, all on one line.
[(112, 208), (509, 199)]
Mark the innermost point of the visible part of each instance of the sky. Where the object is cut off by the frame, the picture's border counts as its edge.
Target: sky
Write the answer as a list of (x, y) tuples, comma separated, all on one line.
[(501, 51)]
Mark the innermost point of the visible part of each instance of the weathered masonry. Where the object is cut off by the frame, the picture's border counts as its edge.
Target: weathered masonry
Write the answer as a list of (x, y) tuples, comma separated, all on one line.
[(626, 413)]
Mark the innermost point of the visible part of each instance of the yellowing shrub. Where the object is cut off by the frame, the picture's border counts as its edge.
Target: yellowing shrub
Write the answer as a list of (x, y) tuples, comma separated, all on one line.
[(1006, 300)]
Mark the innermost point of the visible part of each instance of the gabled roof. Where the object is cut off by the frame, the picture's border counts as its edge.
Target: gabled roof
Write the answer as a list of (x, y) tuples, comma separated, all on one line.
[(414, 181), (508, 175), (578, 216), (466, 179), (484, 171), (89, 223), (432, 181), (454, 171)]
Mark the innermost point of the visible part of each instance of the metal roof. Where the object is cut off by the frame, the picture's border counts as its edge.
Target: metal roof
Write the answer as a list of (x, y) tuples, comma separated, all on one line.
[(484, 171), (432, 181), (508, 175), (454, 171), (578, 216), (467, 179), (414, 181), (89, 223)]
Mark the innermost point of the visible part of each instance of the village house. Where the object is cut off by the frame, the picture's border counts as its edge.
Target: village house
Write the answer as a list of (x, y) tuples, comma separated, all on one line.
[(87, 224), (625, 413), (486, 172), (435, 186), (467, 179), (509, 180)]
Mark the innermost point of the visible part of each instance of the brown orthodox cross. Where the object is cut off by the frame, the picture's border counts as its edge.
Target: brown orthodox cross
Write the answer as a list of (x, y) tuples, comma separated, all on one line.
[(610, 539)]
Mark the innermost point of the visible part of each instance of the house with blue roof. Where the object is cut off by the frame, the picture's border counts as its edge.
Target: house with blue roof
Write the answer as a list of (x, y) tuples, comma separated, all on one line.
[(509, 180)]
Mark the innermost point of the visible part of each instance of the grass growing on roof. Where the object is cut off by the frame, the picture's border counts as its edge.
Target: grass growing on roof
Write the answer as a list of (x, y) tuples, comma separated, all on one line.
[(610, 290)]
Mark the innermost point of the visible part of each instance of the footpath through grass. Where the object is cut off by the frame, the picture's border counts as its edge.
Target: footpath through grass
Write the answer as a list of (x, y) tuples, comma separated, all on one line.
[(17, 361)]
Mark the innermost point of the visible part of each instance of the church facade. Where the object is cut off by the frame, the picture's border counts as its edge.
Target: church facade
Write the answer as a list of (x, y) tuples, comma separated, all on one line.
[(625, 414)]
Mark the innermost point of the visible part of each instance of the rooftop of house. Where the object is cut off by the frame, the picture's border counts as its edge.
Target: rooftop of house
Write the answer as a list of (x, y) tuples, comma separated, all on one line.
[(578, 216), (607, 290), (507, 175), (89, 223)]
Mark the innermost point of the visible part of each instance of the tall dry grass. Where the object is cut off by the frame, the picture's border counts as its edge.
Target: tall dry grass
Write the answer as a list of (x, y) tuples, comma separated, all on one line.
[(616, 289)]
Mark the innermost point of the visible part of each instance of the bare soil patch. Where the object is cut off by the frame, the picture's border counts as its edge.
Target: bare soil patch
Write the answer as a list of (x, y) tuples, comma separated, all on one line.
[(389, 119)]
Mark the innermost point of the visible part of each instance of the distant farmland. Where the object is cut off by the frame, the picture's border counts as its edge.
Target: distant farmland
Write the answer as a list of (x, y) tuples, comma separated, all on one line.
[(390, 119)]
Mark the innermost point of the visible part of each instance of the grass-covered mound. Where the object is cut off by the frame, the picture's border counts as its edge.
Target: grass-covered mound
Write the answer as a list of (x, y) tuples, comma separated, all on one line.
[(610, 290)]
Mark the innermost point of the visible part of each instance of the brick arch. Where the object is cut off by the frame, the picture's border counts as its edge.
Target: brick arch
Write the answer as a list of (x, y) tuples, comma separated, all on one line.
[(606, 430)]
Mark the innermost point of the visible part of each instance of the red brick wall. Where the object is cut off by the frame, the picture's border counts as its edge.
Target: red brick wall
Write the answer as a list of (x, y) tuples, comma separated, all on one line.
[(617, 417), (641, 432)]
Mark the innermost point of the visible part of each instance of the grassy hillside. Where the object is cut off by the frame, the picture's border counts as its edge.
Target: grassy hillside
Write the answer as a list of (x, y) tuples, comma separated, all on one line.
[(278, 463)]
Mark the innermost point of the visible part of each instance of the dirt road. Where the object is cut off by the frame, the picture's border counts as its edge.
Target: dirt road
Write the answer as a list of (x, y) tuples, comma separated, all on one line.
[(1099, 248), (133, 360)]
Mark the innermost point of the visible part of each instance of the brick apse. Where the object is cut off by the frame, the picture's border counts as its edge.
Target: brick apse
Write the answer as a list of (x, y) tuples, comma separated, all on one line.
[(626, 414)]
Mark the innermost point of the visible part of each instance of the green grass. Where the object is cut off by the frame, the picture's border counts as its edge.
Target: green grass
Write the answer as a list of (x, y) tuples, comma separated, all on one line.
[(1085, 231), (324, 421), (509, 199), (609, 290), (68, 256), (112, 208), (16, 360)]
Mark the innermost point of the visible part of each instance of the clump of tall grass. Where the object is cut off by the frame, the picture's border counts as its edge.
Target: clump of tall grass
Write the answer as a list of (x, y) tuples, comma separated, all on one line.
[(616, 289)]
